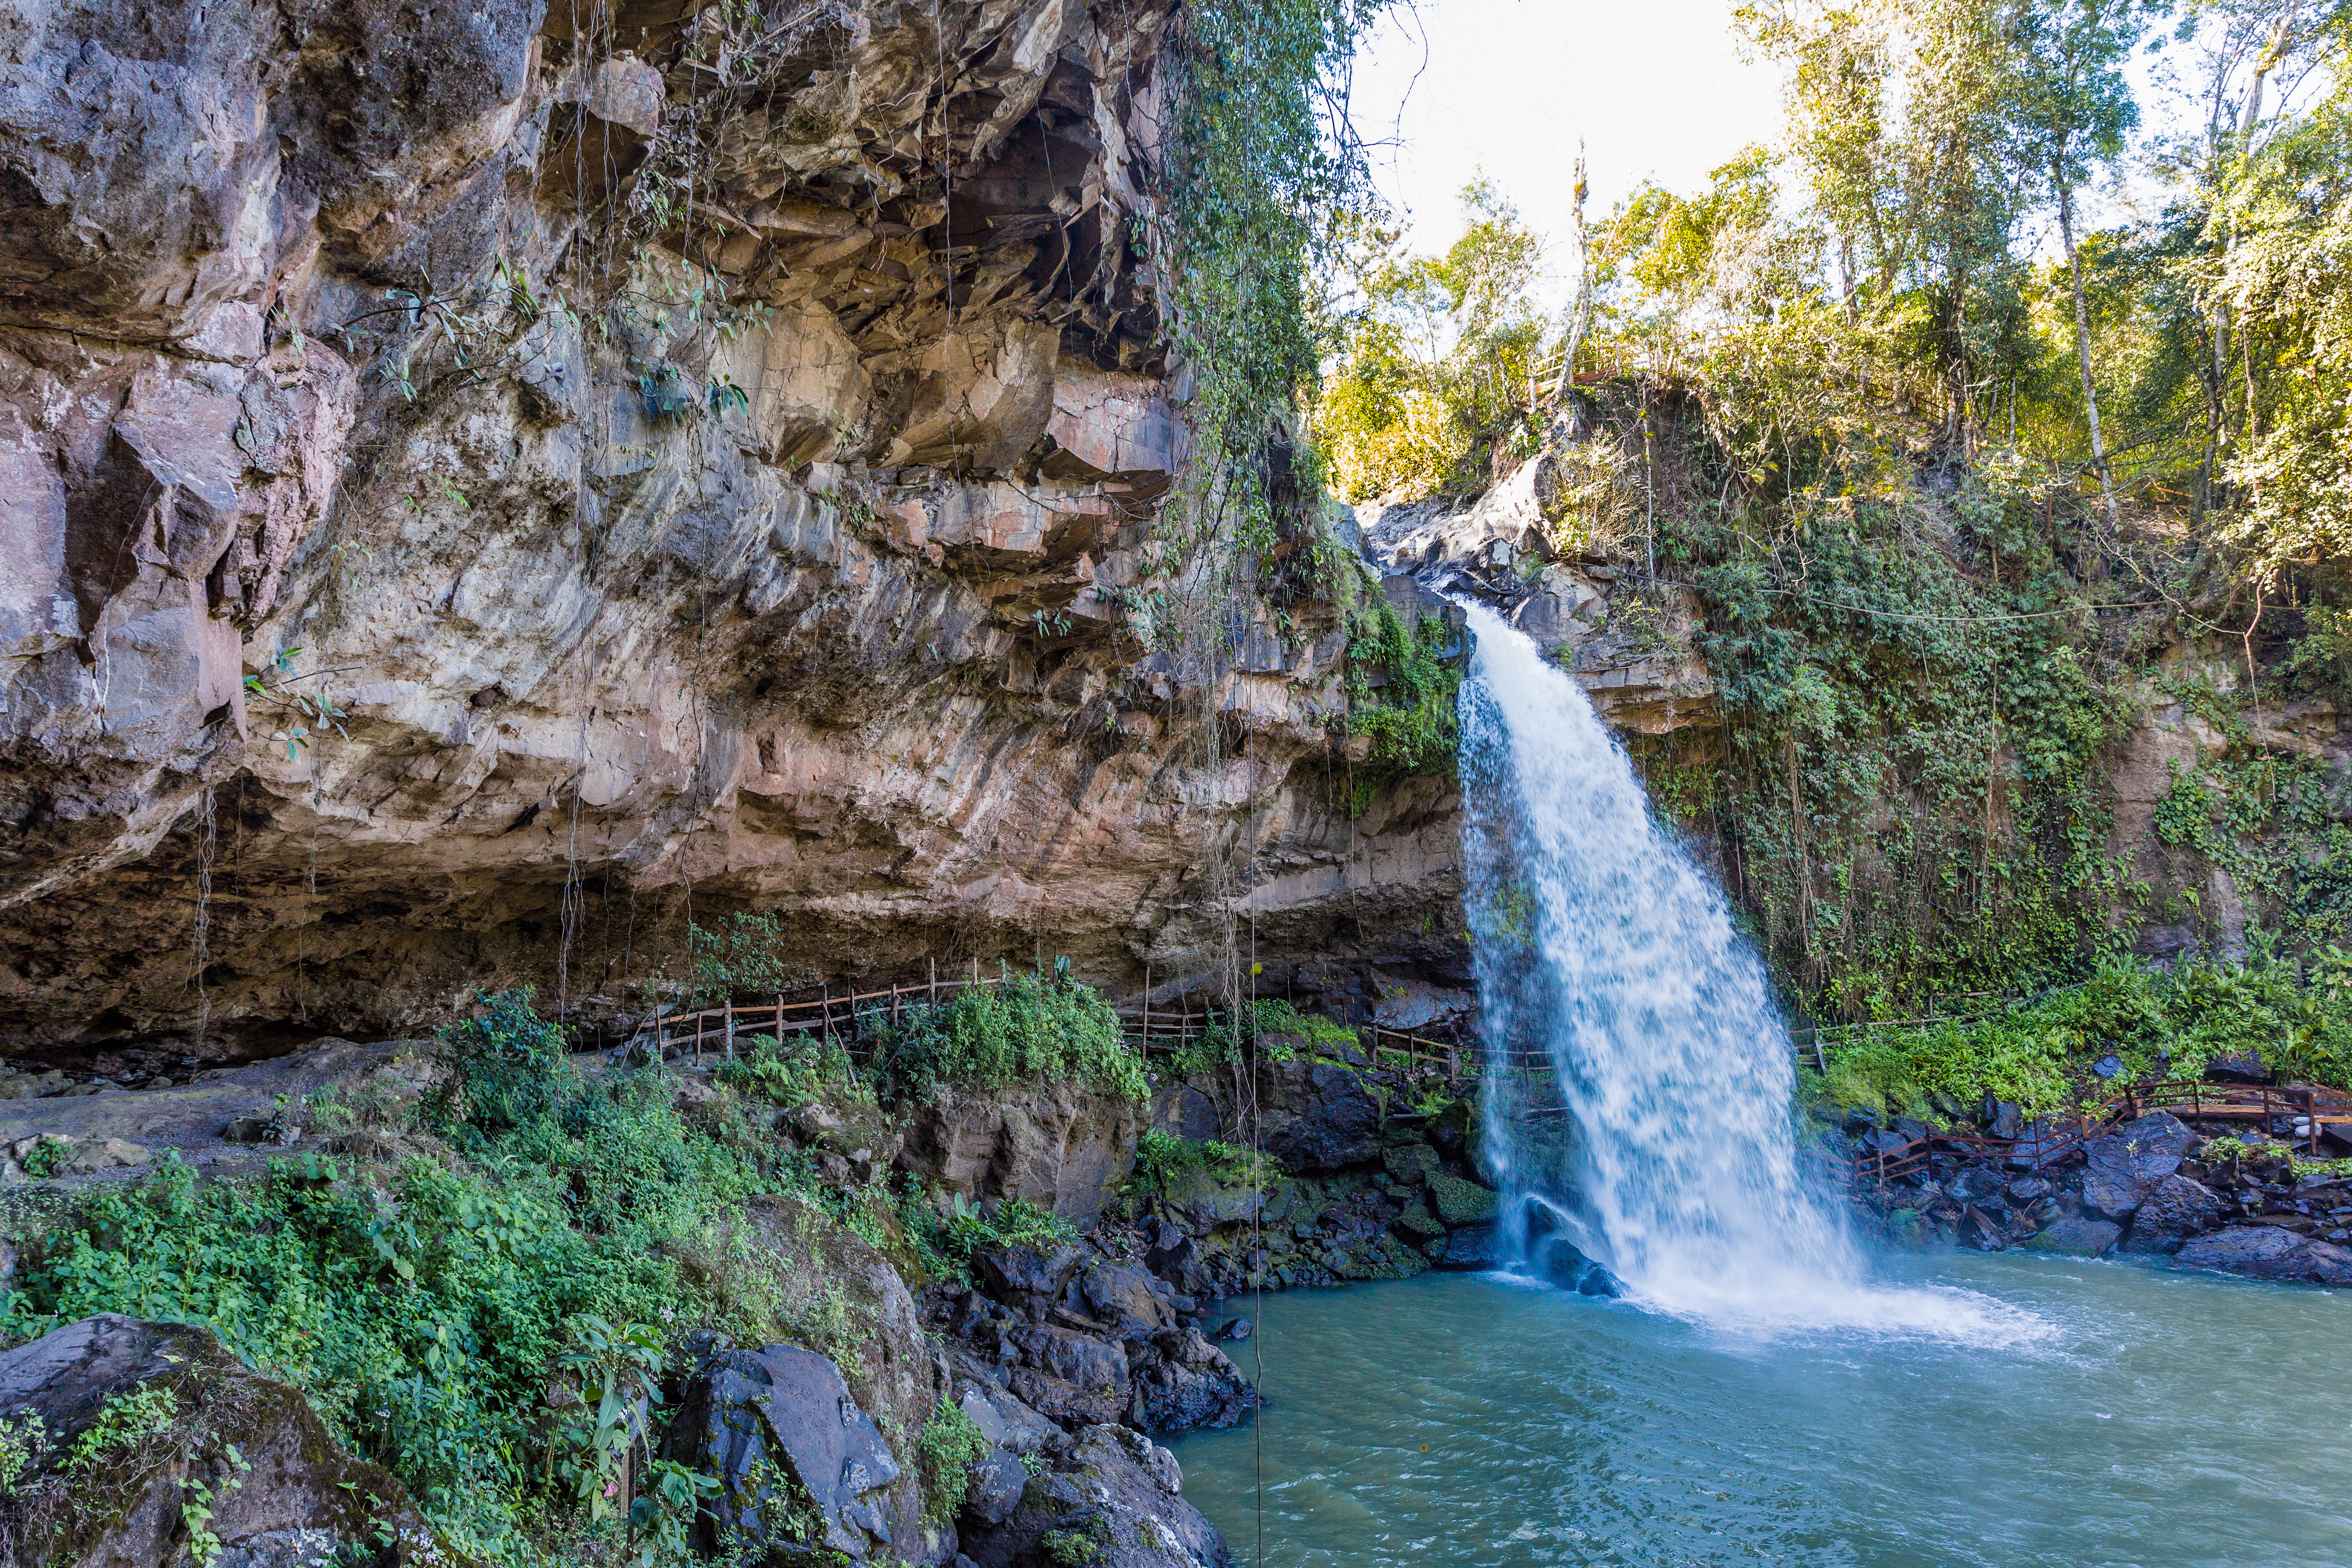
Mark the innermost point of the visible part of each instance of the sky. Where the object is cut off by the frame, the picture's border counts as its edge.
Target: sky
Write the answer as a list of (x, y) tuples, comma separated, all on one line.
[(1451, 89)]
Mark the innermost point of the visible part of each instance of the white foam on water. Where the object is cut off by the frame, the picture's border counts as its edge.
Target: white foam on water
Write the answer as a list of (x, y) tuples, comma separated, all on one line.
[(1603, 946)]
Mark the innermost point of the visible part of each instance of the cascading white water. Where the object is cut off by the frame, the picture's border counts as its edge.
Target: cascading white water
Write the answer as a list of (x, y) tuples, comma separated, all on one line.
[(1601, 947)]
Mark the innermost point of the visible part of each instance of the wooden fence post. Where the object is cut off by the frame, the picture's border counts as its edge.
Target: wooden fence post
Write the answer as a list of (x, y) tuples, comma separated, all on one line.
[(935, 980), (731, 1028), (825, 1011)]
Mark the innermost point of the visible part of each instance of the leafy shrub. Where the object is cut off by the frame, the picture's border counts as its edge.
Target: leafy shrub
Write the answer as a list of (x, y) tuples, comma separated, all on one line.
[(1410, 715), (800, 1068), (951, 1444), (47, 1157), (511, 1065), (2158, 1025), (1029, 1028), (1011, 1222), (1159, 1156), (742, 955), (1324, 1036), (422, 1307)]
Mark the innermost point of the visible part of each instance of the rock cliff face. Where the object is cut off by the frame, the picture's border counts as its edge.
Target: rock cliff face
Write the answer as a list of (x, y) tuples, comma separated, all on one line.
[(697, 453)]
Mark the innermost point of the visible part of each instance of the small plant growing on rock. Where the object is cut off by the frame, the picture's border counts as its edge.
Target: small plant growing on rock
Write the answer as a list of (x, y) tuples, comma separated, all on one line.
[(951, 1444), (123, 1422), (23, 1445), (47, 1157)]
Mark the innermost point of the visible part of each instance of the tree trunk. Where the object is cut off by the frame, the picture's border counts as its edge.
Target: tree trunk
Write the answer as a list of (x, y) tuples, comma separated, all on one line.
[(2083, 358)]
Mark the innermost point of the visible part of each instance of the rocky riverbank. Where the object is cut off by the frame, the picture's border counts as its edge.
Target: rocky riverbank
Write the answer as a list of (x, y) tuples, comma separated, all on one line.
[(2242, 1203), (941, 1331)]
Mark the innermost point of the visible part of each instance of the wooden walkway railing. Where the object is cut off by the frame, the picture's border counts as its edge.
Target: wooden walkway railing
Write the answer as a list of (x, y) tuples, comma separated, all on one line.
[(1155, 1031), (2318, 1109)]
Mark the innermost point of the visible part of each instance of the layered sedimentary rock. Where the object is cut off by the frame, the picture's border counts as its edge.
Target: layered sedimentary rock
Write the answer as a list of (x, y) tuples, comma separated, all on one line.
[(697, 456)]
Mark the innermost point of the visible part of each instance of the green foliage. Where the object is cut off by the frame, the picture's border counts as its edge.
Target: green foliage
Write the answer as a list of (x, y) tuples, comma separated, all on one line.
[(951, 1444), (1159, 1156), (125, 1421), (48, 1156), (24, 1443), (1435, 365), (1009, 1222), (1400, 688), (742, 955), (1324, 1036), (511, 1063), (796, 1070), (2039, 1053), (422, 1307), (1028, 1029)]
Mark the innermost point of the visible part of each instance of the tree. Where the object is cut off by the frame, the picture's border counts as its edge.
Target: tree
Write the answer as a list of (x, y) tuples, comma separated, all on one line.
[(2073, 111)]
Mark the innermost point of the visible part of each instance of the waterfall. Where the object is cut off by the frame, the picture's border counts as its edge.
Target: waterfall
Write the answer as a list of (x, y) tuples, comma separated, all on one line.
[(1649, 1124)]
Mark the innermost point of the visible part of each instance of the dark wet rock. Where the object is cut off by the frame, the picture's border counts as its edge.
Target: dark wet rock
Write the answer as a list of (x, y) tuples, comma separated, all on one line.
[(1121, 1297), (1011, 1273), (1415, 1164), (2174, 1210), (299, 1500), (1566, 1265), (1236, 1330), (1416, 1220), (1473, 1246), (2269, 1252), (992, 1486), (2239, 1067), (2125, 1165), (2109, 1067), (1857, 1120), (1974, 1184), (1460, 1201), (1114, 1502), (1317, 1116), (2028, 1190), (748, 1415), (1000, 1414), (2076, 1237), (1185, 1383), (1170, 1250)]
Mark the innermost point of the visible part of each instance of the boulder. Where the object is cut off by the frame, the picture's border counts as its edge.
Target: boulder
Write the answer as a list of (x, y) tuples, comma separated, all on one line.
[(1121, 1296), (2174, 1210), (2269, 1252), (1460, 1203), (1209, 1203), (283, 1494), (2245, 1066), (2125, 1164), (835, 1292), (1315, 1116), (749, 1415), (1113, 1503), (1415, 1164), (1473, 1246), (1185, 1383), (1069, 1377), (1013, 1273), (1062, 1146), (2075, 1237)]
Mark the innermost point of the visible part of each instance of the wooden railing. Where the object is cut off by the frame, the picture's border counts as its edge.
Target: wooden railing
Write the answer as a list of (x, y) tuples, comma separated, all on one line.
[(2318, 1108), (1155, 1031)]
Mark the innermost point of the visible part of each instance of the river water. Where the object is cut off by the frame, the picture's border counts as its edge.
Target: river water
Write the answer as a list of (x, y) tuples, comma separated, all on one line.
[(2147, 1417)]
